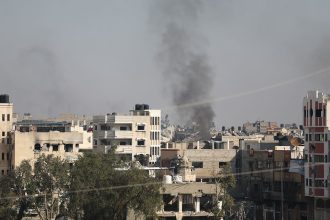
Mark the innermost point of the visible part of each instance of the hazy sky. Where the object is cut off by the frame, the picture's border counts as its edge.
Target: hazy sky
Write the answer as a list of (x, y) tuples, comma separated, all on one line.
[(91, 57)]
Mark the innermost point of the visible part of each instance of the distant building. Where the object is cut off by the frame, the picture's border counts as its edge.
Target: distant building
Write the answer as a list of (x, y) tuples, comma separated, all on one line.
[(260, 127), (316, 105), (137, 133), (6, 125)]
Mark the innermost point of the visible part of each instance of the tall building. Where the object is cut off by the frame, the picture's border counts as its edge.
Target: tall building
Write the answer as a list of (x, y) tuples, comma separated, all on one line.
[(315, 107), (6, 125), (134, 134)]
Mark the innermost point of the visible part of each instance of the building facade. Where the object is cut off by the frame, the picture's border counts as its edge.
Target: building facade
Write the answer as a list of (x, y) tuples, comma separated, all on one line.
[(315, 107), (137, 133), (6, 125)]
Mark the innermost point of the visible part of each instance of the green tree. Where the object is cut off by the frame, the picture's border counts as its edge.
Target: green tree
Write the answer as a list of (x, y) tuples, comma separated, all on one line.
[(101, 190), (35, 187), (225, 183)]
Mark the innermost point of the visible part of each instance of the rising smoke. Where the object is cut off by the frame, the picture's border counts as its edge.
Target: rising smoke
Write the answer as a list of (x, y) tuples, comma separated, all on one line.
[(183, 60)]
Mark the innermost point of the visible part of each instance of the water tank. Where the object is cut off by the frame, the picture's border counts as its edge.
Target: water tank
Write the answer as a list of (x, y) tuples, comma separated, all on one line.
[(223, 128), (4, 98), (138, 107), (167, 179), (239, 128), (145, 107)]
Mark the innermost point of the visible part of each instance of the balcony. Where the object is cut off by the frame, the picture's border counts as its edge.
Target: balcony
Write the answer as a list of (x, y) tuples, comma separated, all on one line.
[(124, 149), (117, 134)]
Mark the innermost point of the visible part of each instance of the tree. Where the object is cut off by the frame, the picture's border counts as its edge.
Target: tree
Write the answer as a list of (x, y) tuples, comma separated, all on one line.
[(101, 190), (35, 187), (225, 182)]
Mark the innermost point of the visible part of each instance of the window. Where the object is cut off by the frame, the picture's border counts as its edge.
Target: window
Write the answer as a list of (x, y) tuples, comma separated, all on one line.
[(68, 147), (326, 137), (306, 137), (3, 117), (123, 128), (319, 183), (140, 127), (141, 142), (318, 158), (197, 164), (55, 147), (317, 137), (321, 137), (3, 156), (7, 156), (95, 142), (8, 117), (122, 143), (3, 172), (318, 113), (95, 127), (310, 137), (3, 133), (37, 147), (306, 182), (222, 164), (311, 112), (310, 182)]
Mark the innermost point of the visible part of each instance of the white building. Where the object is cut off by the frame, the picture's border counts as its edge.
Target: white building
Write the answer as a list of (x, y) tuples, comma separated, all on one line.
[(137, 133), (315, 107), (6, 125)]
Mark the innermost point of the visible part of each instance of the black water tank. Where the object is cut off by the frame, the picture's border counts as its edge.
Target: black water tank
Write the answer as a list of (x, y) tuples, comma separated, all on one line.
[(145, 107), (239, 128), (4, 98), (138, 107), (223, 128)]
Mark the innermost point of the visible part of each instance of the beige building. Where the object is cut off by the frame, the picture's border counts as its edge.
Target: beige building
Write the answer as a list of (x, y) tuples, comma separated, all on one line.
[(137, 133), (6, 113), (31, 139)]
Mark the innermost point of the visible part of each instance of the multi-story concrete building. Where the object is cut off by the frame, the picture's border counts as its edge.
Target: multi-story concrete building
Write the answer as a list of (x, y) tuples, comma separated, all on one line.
[(33, 138), (315, 107), (134, 134), (6, 124)]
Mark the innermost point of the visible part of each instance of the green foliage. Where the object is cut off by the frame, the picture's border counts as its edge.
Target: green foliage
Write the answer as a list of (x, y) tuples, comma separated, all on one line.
[(225, 182), (35, 188), (100, 191)]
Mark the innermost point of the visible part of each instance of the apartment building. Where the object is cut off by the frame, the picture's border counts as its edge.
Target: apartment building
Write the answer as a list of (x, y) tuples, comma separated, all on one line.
[(33, 138), (6, 124), (315, 107), (134, 134)]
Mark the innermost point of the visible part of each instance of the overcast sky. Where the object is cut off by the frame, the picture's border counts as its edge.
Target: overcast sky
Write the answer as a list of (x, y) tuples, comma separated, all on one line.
[(92, 57)]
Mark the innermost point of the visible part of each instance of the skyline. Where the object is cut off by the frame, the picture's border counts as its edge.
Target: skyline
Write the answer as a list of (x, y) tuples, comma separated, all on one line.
[(96, 58)]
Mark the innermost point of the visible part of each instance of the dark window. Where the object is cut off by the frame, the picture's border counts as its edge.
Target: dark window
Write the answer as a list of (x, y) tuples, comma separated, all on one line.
[(326, 137), (95, 142), (123, 128), (306, 182), (305, 113), (197, 164), (318, 158), (55, 147), (3, 117), (68, 148), (3, 133), (317, 137), (141, 142), (7, 156), (3, 172), (311, 112), (95, 127), (222, 164), (122, 143), (3, 156), (140, 127), (37, 147), (319, 203), (310, 137), (306, 137), (8, 117), (318, 113)]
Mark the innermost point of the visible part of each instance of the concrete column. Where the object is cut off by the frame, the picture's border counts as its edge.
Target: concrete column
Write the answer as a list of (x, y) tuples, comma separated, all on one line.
[(197, 204), (180, 203), (212, 145)]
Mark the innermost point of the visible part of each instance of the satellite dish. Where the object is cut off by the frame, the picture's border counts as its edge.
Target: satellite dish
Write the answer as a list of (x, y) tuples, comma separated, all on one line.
[(295, 141)]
